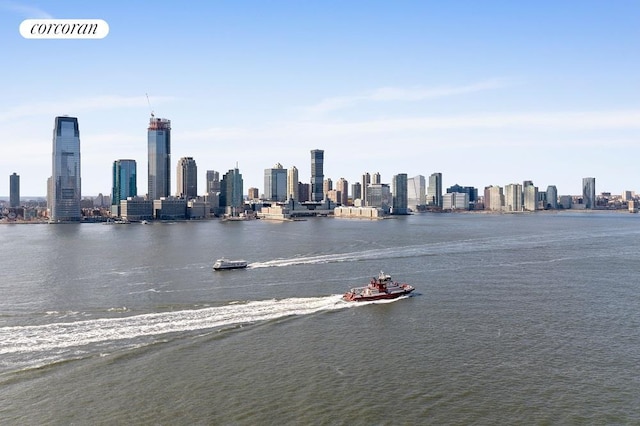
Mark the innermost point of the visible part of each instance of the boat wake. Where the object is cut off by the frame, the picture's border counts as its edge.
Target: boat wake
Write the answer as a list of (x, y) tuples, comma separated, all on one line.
[(39, 345)]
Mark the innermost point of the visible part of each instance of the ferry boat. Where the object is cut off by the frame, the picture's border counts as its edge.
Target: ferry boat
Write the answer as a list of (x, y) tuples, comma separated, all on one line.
[(221, 264), (382, 287)]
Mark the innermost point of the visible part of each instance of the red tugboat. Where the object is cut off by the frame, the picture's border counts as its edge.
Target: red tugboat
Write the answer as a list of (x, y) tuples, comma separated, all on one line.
[(379, 288)]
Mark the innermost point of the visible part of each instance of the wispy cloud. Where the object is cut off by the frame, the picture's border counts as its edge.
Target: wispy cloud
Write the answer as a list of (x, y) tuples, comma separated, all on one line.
[(407, 94), (25, 10), (74, 106)]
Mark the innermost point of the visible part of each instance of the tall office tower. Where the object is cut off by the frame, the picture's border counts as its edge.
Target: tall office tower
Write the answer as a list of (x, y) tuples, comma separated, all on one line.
[(589, 192), (356, 191), (416, 192), (343, 186), (213, 182), (376, 179), (513, 197), (317, 174), (327, 185), (434, 191), (125, 183), (231, 191), (292, 184), (14, 190), (552, 197), (65, 182), (275, 183), (400, 194), (159, 173), (187, 178), (365, 181), (530, 197), (469, 190)]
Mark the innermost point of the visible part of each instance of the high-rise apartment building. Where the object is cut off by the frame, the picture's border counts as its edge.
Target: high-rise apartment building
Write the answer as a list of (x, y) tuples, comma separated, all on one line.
[(356, 191), (493, 198), (434, 190), (125, 181), (343, 187), (379, 195), (327, 185), (187, 178), (400, 195), (365, 181), (513, 197), (416, 192), (231, 192), (65, 176), (159, 152), (589, 192), (14, 190), (529, 196), (292, 184), (317, 174)]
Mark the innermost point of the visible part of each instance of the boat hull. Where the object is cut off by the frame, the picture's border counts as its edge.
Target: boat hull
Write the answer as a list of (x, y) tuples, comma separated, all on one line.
[(354, 297)]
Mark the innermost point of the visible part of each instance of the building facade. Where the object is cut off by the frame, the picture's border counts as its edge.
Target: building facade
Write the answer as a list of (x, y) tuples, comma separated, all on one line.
[(275, 183), (317, 174), (231, 192), (187, 178), (434, 190), (400, 198), (552, 197), (159, 157), (343, 186), (416, 192), (589, 192), (124, 179), (213, 182), (14, 190), (65, 176), (513, 197), (292, 184)]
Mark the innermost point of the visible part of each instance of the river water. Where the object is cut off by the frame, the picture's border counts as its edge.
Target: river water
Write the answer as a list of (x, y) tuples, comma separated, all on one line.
[(516, 319)]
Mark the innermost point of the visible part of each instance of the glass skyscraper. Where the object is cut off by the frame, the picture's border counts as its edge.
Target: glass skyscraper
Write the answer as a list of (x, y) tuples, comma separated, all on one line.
[(65, 176), (159, 174), (317, 174), (125, 183), (589, 192), (14, 190), (275, 183), (400, 194), (231, 191), (434, 191)]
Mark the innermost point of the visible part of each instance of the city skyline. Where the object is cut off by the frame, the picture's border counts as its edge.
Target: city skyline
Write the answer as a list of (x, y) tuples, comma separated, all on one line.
[(486, 94)]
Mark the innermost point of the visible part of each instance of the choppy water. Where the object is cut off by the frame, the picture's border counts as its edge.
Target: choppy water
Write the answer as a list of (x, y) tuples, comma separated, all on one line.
[(517, 319)]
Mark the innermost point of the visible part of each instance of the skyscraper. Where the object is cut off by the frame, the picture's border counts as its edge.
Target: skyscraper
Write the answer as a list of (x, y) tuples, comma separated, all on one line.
[(552, 197), (125, 181), (65, 176), (317, 174), (292, 183), (343, 186), (513, 197), (434, 191), (275, 183), (187, 178), (400, 195), (14, 190), (159, 144), (589, 192), (231, 191), (416, 192), (213, 182), (365, 181)]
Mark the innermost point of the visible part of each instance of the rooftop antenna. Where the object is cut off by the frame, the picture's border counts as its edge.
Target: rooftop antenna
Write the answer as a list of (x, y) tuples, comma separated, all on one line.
[(149, 102)]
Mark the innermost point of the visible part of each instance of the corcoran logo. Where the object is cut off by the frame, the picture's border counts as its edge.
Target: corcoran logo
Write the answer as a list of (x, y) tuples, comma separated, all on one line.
[(64, 28)]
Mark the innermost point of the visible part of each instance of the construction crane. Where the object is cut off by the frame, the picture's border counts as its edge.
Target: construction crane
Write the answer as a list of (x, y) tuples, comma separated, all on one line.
[(149, 102)]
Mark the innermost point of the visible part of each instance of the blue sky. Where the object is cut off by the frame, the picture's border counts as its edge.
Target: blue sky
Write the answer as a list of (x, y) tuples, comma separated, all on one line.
[(485, 92)]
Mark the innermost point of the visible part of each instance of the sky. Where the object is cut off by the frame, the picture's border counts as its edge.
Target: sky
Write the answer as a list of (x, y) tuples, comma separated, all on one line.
[(484, 92)]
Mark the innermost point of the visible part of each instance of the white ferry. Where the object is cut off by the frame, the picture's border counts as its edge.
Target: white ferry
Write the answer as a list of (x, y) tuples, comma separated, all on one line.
[(221, 264)]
